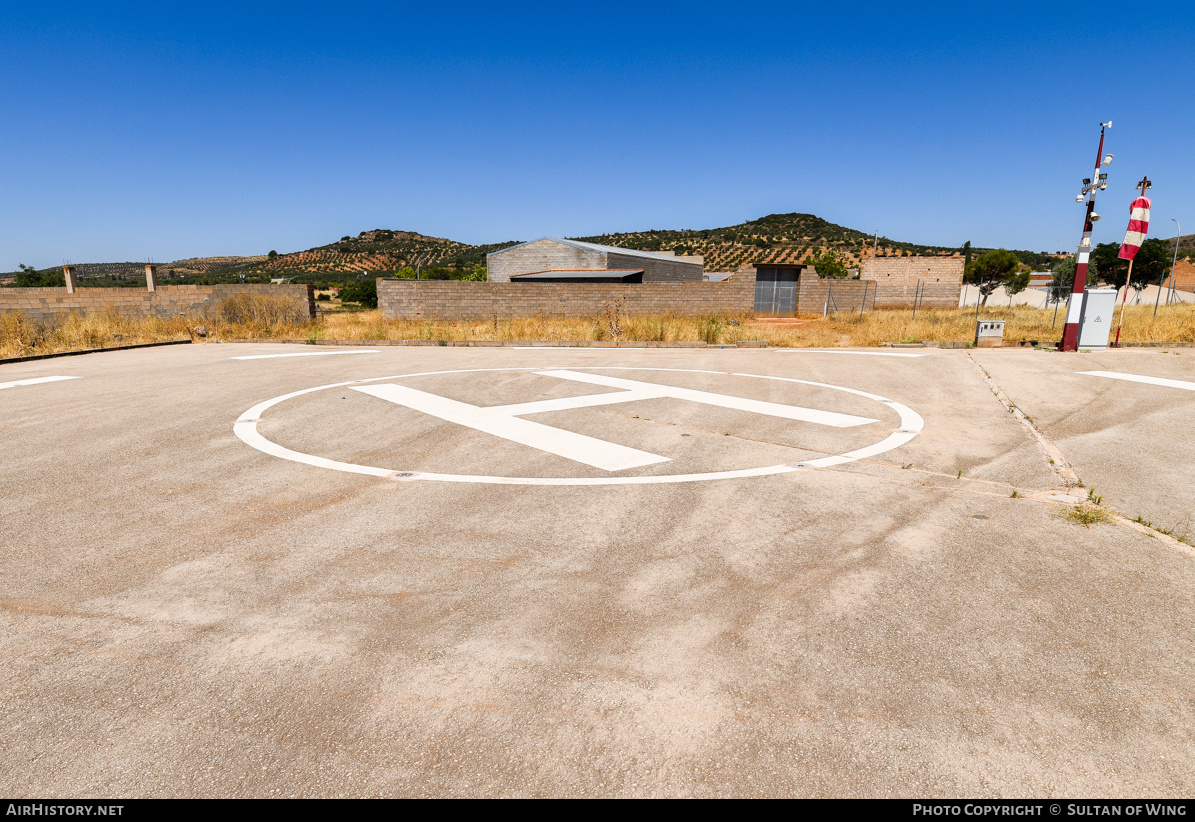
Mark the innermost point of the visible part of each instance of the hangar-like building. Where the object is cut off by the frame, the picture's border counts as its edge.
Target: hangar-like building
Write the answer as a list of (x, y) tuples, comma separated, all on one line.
[(551, 259)]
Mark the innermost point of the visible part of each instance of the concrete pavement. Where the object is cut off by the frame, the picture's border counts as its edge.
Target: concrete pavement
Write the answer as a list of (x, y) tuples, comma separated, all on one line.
[(190, 612)]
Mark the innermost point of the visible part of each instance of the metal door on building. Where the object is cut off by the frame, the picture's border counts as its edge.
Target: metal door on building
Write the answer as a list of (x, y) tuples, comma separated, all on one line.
[(776, 292)]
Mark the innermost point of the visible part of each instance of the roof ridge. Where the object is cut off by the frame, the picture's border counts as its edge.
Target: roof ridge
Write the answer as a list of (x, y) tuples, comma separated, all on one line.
[(600, 248)]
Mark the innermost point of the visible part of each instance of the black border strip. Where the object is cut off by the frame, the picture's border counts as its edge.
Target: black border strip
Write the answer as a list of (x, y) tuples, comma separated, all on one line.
[(91, 351)]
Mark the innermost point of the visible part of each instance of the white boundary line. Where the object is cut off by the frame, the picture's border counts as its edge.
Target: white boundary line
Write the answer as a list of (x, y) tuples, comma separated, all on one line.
[(305, 354), (245, 428), (34, 381), (857, 353), (1117, 375)]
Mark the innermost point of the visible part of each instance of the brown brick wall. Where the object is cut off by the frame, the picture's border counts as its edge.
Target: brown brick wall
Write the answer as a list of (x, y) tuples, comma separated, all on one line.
[(813, 293), (933, 295), (449, 300), (896, 280), (47, 304)]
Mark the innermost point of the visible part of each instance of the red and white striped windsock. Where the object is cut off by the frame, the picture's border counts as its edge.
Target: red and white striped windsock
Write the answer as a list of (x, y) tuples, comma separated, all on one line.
[(1138, 228)]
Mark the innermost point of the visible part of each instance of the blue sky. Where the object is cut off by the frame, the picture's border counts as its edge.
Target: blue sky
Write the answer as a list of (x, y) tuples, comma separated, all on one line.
[(137, 131)]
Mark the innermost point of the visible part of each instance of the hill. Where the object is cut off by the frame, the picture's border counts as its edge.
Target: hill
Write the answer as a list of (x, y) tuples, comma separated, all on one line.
[(380, 251), (776, 238)]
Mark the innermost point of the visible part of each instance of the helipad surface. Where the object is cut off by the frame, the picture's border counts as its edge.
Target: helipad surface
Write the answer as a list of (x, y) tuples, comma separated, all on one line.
[(444, 571)]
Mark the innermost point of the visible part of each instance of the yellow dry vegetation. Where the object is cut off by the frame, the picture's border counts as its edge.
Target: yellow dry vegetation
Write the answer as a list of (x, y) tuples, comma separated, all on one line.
[(244, 315), (264, 317), (1173, 324)]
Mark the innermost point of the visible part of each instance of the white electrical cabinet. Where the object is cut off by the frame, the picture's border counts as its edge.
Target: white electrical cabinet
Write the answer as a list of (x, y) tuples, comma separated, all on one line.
[(1095, 323)]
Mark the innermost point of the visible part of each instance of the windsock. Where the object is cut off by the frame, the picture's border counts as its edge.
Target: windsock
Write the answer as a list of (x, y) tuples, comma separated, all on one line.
[(1138, 228)]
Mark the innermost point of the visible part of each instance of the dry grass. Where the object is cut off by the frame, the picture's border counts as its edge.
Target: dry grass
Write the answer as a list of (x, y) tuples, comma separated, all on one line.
[(261, 311), (264, 317), (1173, 324), (261, 316)]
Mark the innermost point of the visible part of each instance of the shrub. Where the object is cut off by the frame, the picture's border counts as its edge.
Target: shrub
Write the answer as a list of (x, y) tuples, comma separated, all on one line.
[(364, 292)]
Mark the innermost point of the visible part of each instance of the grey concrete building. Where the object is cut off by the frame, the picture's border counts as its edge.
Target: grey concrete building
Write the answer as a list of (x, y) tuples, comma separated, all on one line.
[(556, 260)]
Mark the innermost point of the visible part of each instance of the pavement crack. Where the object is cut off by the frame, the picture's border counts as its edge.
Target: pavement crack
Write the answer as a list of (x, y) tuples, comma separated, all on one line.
[(1058, 461)]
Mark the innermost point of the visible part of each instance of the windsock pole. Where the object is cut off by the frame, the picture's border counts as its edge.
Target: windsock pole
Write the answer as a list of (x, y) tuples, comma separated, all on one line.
[(1123, 302), (1133, 239)]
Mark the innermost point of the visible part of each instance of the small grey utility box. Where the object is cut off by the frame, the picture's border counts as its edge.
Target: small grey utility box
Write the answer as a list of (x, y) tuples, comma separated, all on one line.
[(1095, 323), (989, 333)]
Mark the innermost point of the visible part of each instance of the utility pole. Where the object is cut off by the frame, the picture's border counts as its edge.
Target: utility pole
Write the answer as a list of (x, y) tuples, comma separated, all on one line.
[(1070, 335), (1174, 262)]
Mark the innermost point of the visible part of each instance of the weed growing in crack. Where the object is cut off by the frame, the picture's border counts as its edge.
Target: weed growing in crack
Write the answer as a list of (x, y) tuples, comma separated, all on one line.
[(1087, 515)]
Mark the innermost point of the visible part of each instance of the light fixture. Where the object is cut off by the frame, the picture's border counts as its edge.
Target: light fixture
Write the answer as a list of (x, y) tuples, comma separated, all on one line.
[(1108, 159), (1095, 218), (1078, 198), (1086, 181)]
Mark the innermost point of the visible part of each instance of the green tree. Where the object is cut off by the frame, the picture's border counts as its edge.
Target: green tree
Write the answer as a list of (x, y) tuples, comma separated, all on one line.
[(30, 277), (1149, 265), (991, 270), (966, 254), (1017, 283), (830, 265), (1064, 278), (1112, 268), (364, 292)]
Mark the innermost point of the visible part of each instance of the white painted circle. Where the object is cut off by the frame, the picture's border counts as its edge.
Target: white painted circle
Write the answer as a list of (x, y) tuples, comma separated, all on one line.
[(245, 428)]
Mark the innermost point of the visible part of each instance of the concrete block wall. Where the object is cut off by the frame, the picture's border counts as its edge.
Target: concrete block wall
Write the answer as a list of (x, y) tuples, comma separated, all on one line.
[(896, 280), (449, 300), (541, 255), (814, 292), (549, 255), (933, 295), (658, 270), (49, 304), (908, 270)]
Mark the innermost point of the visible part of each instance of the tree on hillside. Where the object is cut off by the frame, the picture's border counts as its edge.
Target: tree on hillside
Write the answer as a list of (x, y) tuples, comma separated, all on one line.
[(966, 254), (991, 270)]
